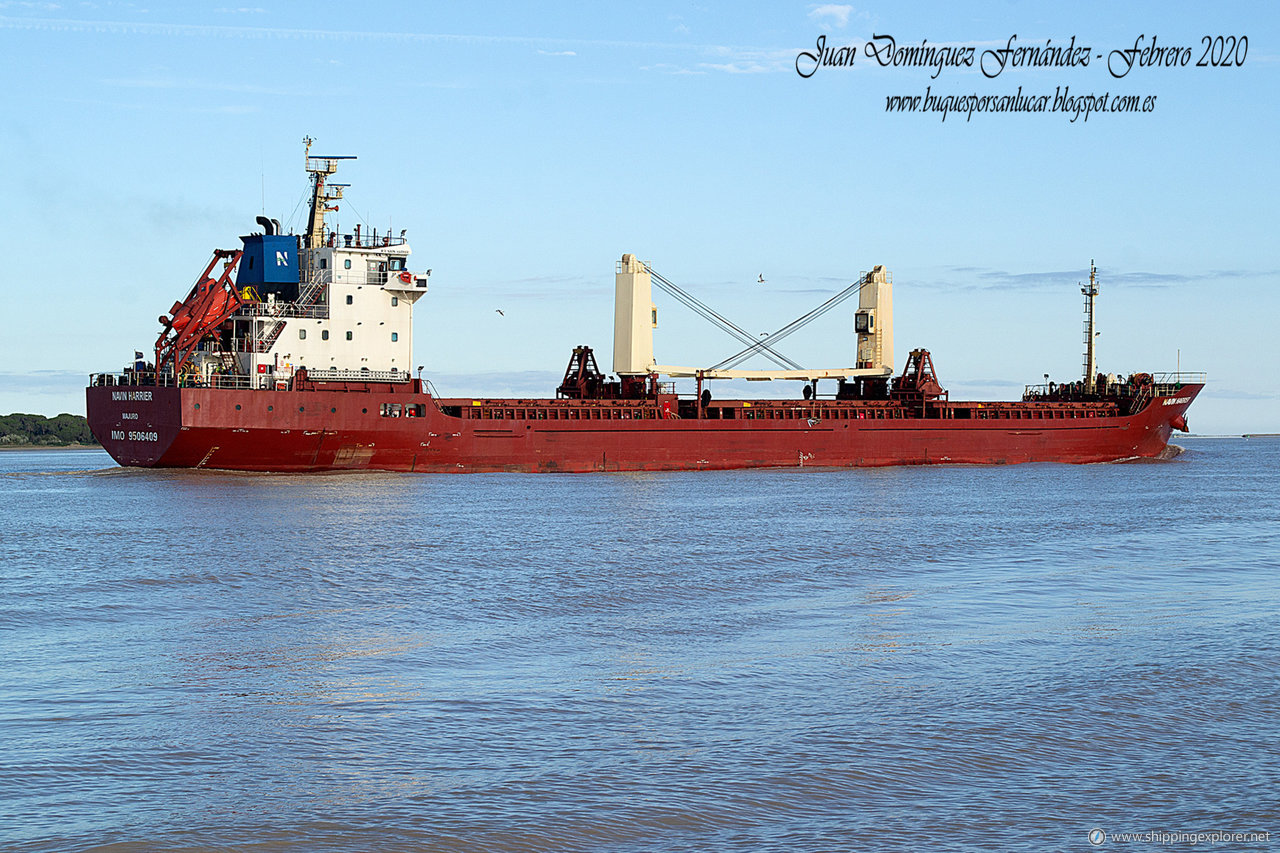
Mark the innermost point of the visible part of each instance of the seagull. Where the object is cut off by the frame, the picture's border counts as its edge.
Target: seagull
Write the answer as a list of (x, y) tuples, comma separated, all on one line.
[(761, 279), (499, 310)]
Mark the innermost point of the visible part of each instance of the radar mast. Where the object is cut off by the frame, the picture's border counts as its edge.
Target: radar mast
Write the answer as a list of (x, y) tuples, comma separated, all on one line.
[(322, 193), (1090, 365)]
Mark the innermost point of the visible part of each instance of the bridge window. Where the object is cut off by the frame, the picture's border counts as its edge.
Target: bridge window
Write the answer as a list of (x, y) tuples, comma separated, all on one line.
[(324, 335), (346, 264), (395, 300), (302, 334), (348, 336), (395, 336)]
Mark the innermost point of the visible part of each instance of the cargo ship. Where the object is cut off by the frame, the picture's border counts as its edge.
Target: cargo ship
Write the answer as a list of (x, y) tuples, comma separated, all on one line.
[(293, 353)]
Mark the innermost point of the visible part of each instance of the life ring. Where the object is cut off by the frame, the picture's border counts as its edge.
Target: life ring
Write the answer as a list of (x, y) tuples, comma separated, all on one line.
[(406, 277)]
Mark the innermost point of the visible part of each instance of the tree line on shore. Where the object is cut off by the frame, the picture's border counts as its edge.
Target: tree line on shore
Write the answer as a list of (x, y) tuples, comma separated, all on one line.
[(19, 429)]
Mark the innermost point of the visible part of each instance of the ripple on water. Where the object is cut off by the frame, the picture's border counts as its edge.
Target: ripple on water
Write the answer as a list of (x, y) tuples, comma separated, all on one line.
[(960, 657)]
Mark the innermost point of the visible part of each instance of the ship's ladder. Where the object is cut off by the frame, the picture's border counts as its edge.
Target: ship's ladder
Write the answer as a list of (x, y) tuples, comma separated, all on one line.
[(1140, 399), (311, 294), (269, 340)]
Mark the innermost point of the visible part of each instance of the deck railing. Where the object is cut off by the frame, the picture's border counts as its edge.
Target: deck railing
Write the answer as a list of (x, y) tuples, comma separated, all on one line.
[(149, 379), (1180, 378), (357, 375), (1162, 384)]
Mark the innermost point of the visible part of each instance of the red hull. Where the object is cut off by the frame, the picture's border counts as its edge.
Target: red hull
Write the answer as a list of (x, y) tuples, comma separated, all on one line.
[(322, 430)]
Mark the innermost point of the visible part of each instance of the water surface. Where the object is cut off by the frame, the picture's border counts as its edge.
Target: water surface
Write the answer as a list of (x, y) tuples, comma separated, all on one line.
[(949, 657)]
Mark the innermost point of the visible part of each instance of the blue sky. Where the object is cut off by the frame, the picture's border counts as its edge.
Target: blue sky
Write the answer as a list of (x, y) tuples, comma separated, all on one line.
[(526, 147)]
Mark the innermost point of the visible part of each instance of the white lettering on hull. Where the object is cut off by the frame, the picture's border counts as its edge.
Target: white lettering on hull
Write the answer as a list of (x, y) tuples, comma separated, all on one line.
[(1173, 401), (130, 396), (134, 435)]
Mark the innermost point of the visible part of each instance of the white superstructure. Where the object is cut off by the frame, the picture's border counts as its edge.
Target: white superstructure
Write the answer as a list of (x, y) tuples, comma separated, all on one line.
[(362, 317), (338, 304)]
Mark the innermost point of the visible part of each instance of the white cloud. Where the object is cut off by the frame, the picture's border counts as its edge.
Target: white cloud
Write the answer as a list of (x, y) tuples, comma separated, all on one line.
[(830, 13), (739, 67), (669, 68), (743, 60), (734, 59)]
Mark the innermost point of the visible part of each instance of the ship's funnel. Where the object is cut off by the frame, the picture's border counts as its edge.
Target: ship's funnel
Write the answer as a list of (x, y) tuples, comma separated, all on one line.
[(633, 318)]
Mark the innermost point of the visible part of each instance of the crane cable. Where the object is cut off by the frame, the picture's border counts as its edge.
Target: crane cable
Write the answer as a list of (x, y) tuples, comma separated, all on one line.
[(793, 326), (706, 312)]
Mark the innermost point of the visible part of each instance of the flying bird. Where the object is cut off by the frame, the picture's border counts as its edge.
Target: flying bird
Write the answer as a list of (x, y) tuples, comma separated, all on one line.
[(761, 280), (499, 310)]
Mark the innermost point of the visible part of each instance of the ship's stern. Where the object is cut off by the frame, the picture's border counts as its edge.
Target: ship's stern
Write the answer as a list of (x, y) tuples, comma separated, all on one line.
[(136, 424)]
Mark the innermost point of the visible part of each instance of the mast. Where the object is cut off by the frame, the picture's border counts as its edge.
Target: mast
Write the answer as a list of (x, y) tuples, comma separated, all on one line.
[(1090, 365), (322, 193)]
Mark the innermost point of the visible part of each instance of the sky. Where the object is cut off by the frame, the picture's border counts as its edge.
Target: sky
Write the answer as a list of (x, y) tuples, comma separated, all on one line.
[(526, 147)]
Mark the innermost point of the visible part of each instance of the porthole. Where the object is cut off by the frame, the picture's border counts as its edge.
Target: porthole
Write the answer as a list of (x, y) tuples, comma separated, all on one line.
[(348, 336), (237, 407), (395, 300), (324, 336), (302, 334), (333, 411), (347, 263), (349, 299), (302, 408), (271, 408), (197, 405), (395, 336), (364, 411)]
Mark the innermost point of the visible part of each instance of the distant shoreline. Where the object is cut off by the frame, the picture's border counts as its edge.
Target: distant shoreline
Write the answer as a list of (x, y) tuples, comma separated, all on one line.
[(4, 447)]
